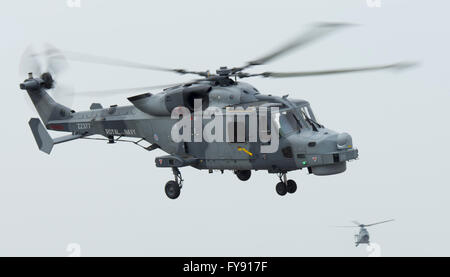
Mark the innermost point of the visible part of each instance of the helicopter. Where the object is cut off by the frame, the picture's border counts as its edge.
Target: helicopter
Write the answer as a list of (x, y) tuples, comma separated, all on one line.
[(301, 141), (363, 236)]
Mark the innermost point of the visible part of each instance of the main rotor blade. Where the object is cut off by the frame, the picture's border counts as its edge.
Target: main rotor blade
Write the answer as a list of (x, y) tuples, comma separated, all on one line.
[(380, 222), (315, 32), (122, 90), (88, 58), (397, 66), (63, 93)]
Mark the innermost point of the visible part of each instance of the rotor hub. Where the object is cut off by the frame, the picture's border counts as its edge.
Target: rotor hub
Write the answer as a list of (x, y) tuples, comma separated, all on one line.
[(223, 71)]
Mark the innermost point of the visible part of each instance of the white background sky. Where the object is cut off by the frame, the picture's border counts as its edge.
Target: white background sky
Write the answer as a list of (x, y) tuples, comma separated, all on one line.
[(110, 198)]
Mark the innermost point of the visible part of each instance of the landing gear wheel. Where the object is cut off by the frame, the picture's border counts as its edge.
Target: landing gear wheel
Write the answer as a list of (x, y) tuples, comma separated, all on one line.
[(281, 188), (172, 189), (291, 186), (243, 175)]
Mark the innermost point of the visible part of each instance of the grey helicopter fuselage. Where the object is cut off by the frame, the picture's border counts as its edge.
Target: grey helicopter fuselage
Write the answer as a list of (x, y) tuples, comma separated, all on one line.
[(362, 237), (304, 145)]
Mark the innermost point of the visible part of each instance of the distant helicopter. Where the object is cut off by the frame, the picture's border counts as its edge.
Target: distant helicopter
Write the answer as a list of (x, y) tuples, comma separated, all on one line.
[(304, 143), (363, 236)]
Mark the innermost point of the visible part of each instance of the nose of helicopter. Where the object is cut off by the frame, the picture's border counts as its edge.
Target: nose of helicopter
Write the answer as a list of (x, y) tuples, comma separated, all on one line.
[(344, 141), (330, 141), (327, 152)]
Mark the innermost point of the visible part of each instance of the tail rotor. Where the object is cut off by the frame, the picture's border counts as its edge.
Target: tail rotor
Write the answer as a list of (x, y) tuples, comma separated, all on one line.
[(48, 65)]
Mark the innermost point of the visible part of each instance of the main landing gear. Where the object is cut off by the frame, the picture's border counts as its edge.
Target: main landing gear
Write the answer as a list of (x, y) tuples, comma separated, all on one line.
[(173, 188), (285, 186)]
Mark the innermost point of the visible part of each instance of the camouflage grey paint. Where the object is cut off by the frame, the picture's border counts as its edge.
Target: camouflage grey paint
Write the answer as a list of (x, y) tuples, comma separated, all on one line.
[(43, 139), (149, 118)]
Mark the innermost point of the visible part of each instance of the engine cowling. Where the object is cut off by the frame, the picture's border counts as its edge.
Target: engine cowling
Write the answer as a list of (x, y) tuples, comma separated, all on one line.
[(162, 104)]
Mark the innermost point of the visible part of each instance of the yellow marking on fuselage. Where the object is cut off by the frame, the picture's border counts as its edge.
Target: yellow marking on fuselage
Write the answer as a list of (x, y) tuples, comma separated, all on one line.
[(245, 150)]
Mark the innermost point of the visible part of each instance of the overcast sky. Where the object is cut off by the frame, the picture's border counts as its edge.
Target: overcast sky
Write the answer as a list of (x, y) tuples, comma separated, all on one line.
[(110, 200)]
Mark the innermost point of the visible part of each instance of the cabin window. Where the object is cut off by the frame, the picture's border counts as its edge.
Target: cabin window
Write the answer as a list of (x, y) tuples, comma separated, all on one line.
[(236, 131), (269, 118)]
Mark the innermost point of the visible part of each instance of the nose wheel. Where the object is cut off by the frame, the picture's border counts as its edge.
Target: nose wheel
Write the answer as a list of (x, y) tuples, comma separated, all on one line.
[(285, 186), (173, 187), (291, 186), (281, 188)]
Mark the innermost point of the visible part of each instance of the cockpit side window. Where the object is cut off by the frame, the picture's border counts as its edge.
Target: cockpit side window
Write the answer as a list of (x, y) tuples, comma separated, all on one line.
[(287, 123), (292, 122)]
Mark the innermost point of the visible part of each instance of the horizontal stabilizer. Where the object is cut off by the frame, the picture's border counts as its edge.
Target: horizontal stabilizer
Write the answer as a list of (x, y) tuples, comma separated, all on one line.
[(43, 140)]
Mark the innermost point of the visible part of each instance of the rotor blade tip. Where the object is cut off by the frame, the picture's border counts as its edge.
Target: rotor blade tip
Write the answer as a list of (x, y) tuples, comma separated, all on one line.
[(335, 24), (405, 65)]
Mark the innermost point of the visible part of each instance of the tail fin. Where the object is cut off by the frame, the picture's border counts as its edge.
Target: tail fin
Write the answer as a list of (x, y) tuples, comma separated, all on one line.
[(43, 140), (46, 107)]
